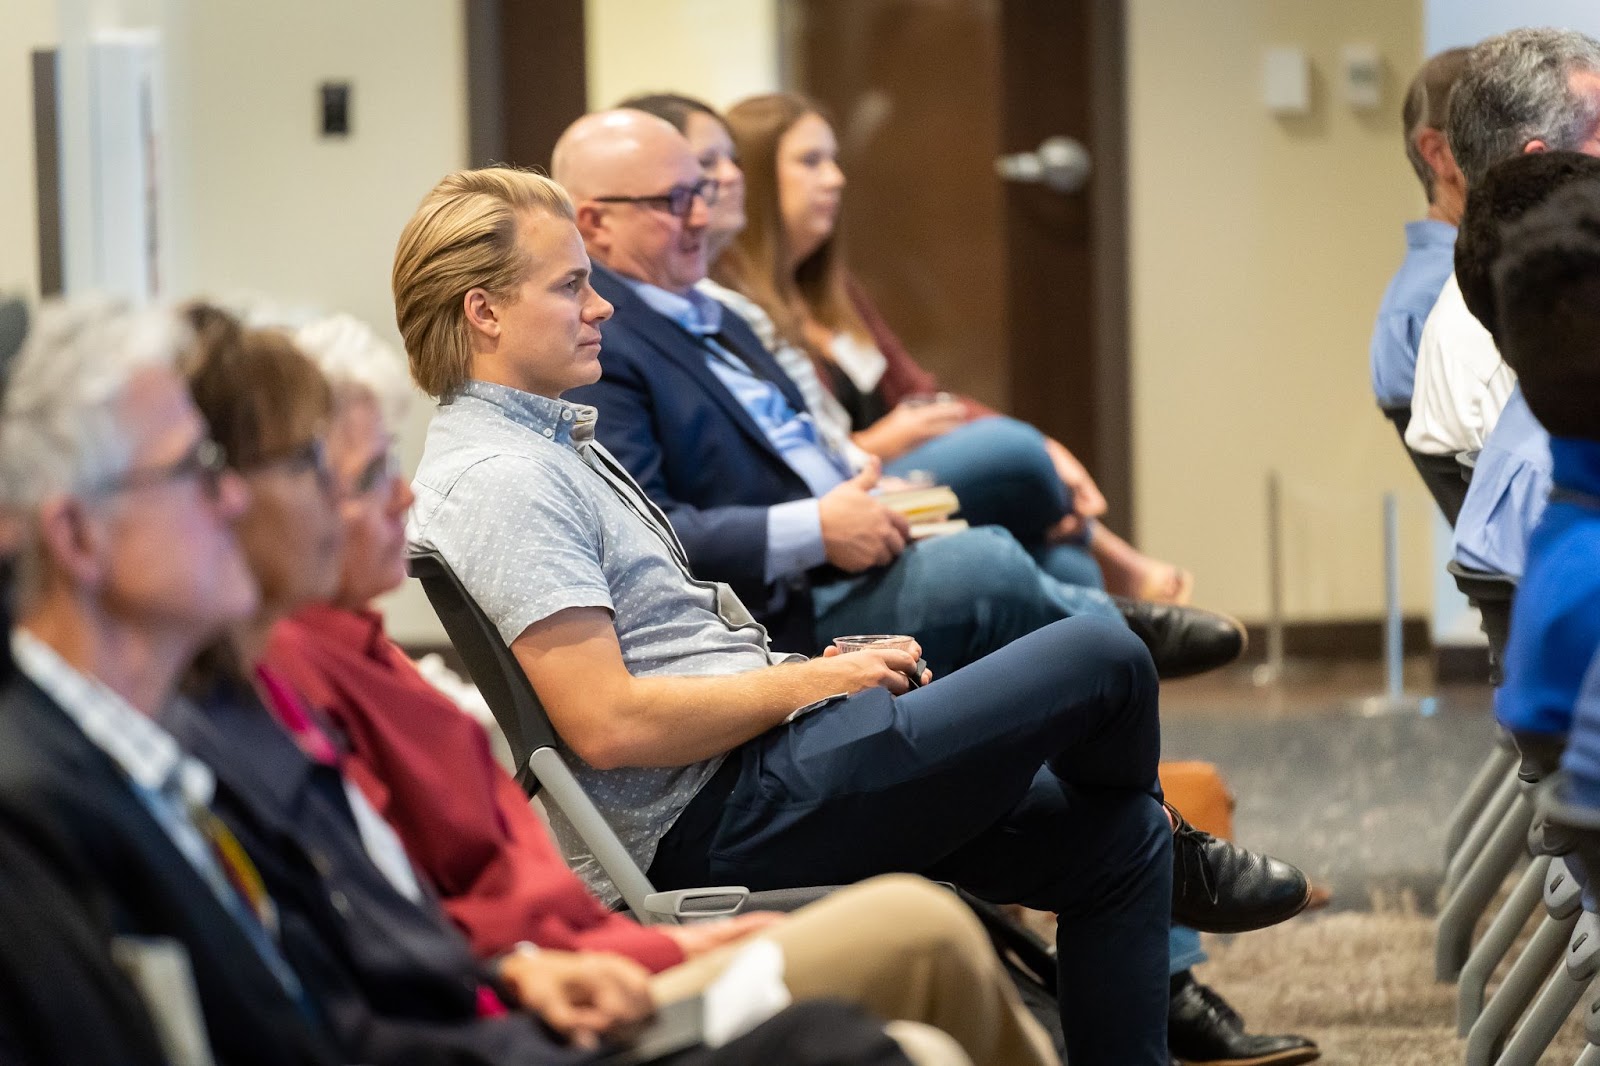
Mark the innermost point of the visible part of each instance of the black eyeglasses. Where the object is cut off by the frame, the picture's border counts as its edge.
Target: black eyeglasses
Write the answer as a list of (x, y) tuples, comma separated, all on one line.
[(380, 473), (312, 456), (678, 201), (205, 462)]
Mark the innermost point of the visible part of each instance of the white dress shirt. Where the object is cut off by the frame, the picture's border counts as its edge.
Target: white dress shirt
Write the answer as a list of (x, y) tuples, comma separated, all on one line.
[(1462, 383)]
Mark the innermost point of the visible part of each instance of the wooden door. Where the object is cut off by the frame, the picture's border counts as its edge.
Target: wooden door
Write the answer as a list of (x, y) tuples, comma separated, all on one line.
[(1011, 292)]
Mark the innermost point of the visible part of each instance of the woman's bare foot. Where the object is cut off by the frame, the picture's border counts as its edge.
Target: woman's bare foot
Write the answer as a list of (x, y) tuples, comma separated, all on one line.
[(1129, 572)]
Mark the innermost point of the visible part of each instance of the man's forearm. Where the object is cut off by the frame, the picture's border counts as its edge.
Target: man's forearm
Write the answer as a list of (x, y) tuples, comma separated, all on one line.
[(673, 721)]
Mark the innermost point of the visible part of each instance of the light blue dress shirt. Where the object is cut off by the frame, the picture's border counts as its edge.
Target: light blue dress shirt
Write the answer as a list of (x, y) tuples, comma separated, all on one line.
[(1509, 490), (1415, 287), (794, 529)]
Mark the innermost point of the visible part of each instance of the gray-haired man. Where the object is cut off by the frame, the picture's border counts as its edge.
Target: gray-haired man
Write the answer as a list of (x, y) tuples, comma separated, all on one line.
[(128, 566), (1530, 90)]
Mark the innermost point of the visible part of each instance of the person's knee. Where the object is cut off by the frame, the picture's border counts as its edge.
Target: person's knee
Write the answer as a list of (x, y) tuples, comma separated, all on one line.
[(1122, 658), (927, 920), (986, 564), (1016, 449)]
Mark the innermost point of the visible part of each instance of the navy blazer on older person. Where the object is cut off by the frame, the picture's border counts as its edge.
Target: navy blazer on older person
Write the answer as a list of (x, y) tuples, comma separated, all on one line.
[(696, 451), (397, 981), (62, 792)]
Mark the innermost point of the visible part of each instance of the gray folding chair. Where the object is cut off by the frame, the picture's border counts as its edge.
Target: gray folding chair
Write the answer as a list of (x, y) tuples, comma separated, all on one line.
[(1442, 475), (1543, 953), (1491, 594), (1491, 948), (1491, 775), (1507, 844), (532, 738)]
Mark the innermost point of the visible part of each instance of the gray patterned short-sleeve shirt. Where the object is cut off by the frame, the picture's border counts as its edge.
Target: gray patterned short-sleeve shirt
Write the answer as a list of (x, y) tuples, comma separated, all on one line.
[(505, 494)]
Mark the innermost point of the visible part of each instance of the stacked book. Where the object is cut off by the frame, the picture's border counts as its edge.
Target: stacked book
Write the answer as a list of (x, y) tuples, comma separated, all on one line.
[(927, 509)]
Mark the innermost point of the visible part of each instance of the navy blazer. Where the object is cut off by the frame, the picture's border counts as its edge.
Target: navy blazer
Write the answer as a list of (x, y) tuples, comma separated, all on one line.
[(697, 453), (396, 980), (62, 998), (59, 789)]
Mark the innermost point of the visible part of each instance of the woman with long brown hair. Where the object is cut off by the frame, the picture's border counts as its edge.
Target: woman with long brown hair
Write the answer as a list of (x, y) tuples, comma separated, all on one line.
[(789, 262)]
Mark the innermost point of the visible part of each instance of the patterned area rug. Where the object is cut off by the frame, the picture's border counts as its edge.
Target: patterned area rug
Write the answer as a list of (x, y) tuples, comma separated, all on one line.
[(1359, 983)]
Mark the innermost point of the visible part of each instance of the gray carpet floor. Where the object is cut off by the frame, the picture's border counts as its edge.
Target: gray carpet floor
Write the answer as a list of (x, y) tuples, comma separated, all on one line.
[(1360, 983), (1359, 800)]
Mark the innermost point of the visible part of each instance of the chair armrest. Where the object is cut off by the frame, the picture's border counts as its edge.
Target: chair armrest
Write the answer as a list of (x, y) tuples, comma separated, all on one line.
[(693, 904)]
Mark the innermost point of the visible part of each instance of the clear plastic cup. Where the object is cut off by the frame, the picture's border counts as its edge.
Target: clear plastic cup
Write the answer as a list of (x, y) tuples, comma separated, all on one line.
[(880, 641)]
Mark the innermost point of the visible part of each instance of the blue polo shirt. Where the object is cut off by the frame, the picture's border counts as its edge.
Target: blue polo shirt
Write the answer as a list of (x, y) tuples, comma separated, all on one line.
[(1581, 760), (1412, 292), (1509, 490), (1555, 618)]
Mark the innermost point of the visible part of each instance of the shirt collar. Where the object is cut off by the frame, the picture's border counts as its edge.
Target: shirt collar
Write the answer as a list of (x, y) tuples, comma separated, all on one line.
[(147, 753), (1429, 233), (694, 310), (555, 420)]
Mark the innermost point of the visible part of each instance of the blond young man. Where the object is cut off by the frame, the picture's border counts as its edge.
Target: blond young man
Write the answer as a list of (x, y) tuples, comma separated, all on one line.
[(1030, 776)]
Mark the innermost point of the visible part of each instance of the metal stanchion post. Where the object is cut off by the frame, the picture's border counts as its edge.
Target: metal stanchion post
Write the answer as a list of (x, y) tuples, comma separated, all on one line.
[(1394, 699), (1271, 671)]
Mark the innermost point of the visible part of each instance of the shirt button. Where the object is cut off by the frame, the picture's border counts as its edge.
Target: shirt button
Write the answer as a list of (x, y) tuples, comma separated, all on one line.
[(566, 416), (550, 433)]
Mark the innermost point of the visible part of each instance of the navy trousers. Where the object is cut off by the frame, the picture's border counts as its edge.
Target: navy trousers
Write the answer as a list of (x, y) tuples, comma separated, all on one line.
[(1027, 777)]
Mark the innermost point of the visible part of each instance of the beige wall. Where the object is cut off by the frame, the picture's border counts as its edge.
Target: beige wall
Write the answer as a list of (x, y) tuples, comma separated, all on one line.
[(719, 50), (263, 204), (1260, 247), (1253, 281), (254, 200), (29, 24)]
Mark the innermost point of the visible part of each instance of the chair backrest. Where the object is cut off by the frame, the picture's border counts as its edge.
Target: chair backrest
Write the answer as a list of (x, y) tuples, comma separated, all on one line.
[(522, 718), (1442, 475), (493, 667), (1492, 595)]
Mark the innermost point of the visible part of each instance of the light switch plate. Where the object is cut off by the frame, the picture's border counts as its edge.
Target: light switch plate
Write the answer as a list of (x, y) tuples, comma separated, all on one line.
[(1286, 80)]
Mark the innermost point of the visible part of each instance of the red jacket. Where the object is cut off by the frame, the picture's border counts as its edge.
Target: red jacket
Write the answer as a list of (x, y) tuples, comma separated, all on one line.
[(425, 765)]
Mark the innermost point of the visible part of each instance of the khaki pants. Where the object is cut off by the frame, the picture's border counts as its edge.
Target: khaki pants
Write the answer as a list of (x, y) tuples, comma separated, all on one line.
[(904, 949)]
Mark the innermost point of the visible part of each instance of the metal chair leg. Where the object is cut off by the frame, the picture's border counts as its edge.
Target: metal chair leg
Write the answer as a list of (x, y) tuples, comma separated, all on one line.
[(1478, 836), (1501, 761), (1497, 940), (1522, 983), (1461, 913), (1559, 998), (1590, 1056)]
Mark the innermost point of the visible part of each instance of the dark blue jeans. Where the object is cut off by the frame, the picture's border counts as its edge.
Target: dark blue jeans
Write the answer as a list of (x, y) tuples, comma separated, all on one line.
[(1028, 777), (1003, 476), (1001, 472), (963, 596)]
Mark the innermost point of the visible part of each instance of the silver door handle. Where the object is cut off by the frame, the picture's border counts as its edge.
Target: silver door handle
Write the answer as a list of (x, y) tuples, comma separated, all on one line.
[(1059, 163)]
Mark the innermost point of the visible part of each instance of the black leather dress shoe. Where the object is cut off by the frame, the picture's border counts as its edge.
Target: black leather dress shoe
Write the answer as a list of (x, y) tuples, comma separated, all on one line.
[(1183, 640), (1219, 887), (1203, 1030)]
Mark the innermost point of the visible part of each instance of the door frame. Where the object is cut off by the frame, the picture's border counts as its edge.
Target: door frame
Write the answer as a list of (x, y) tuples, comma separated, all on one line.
[(1061, 405)]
